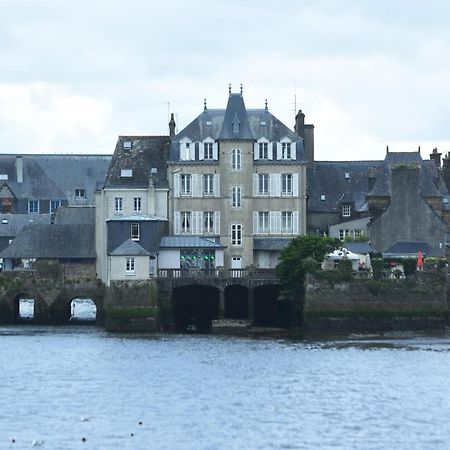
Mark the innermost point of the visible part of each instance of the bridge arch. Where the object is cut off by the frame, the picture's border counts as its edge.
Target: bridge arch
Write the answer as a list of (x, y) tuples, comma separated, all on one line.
[(29, 306), (66, 308), (195, 306), (269, 310), (236, 302)]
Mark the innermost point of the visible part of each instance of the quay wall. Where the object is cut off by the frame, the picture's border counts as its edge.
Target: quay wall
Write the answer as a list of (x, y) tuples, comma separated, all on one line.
[(417, 303)]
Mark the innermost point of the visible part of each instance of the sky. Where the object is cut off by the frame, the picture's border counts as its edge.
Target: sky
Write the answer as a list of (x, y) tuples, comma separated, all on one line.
[(74, 75)]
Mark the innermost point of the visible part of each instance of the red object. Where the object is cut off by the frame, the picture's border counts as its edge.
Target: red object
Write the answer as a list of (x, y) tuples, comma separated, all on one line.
[(420, 260)]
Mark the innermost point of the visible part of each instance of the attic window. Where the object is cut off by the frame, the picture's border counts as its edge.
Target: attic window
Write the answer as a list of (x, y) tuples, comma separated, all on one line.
[(80, 193), (5, 221), (347, 175), (322, 197), (126, 145), (445, 200), (208, 122), (3, 176), (346, 211), (153, 170), (263, 123), (126, 173), (236, 125)]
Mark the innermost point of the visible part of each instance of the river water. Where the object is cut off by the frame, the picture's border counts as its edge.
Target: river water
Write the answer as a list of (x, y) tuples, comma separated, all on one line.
[(60, 385)]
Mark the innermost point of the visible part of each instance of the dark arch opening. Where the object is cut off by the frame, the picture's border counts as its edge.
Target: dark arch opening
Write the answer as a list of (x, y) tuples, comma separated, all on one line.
[(83, 310), (195, 307), (236, 302), (269, 309), (25, 308)]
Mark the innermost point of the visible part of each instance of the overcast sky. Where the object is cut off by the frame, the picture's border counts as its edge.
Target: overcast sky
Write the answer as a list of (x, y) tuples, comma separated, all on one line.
[(75, 74)]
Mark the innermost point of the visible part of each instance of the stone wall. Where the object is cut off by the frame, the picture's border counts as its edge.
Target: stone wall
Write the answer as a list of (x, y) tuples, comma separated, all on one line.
[(376, 305)]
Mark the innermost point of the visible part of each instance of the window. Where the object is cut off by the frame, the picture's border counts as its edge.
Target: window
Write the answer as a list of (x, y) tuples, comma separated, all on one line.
[(236, 234), (130, 268), (263, 150), (54, 205), (185, 221), (208, 222), (135, 231), (286, 184), (263, 222), (358, 234), (208, 150), (33, 206), (137, 205), (208, 184), (343, 234), (346, 211), (126, 145), (118, 205), (236, 159), (322, 197), (80, 193), (126, 173), (286, 222), (285, 150), (236, 125), (263, 184), (185, 184), (236, 196)]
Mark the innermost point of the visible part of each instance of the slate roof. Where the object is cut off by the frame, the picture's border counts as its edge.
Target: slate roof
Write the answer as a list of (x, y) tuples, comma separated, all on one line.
[(188, 242), (270, 244), (130, 248), (359, 247), (75, 215), (328, 178), (146, 153), (55, 176), (137, 218), (53, 241), (11, 224), (408, 249), (217, 125)]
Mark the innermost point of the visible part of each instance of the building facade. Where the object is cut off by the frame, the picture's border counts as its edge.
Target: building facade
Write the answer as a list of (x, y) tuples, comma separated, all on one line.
[(238, 177)]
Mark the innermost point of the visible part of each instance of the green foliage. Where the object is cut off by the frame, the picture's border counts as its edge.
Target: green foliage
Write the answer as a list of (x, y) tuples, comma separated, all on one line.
[(409, 266), (435, 263), (377, 268), (345, 268), (303, 254)]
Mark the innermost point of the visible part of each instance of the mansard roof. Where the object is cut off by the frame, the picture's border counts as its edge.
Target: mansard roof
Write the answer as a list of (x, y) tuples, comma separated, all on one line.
[(429, 174), (54, 176), (147, 159), (73, 215), (11, 224), (53, 241), (330, 183), (188, 242), (235, 122)]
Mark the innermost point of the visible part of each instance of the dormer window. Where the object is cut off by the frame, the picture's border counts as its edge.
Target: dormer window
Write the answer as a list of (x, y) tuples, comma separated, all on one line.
[(208, 150), (236, 125), (322, 198), (346, 211), (285, 150), (263, 150), (126, 173), (187, 150), (126, 145)]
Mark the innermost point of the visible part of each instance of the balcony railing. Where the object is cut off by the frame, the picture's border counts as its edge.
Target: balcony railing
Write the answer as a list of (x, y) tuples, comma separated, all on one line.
[(258, 274)]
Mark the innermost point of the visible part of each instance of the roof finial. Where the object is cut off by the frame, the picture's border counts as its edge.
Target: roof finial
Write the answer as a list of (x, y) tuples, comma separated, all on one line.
[(266, 105), (229, 88), (387, 148), (241, 88), (419, 149), (204, 105)]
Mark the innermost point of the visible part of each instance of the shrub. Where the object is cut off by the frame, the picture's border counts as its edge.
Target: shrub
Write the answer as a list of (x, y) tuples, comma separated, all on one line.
[(377, 268), (345, 268), (409, 266)]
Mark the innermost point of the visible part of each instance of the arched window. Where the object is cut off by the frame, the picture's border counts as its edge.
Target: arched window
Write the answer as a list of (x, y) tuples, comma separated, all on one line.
[(236, 159)]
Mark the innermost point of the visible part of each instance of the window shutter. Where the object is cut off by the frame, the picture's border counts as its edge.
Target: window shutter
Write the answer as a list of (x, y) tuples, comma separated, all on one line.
[(197, 222), (201, 151), (255, 223), (216, 151), (295, 184), (255, 151), (270, 150), (216, 222), (176, 222), (295, 222), (182, 151), (194, 183), (216, 185), (199, 192), (278, 150), (274, 185), (176, 185), (192, 151), (272, 222), (293, 150), (278, 222), (255, 185)]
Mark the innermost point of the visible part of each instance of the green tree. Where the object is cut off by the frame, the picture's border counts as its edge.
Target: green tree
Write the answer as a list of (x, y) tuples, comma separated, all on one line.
[(298, 258)]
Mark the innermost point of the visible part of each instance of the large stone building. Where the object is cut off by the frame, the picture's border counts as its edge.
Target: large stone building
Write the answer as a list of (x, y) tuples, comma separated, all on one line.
[(238, 177)]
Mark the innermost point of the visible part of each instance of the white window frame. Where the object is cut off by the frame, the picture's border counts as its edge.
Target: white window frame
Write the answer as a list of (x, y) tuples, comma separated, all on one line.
[(208, 184), (286, 151), (118, 205), (287, 222), (80, 193), (208, 222), (137, 201), (33, 206), (185, 185), (346, 211), (185, 222), (263, 150), (236, 197), (263, 184), (208, 150), (53, 205), (236, 159), (287, 181), (263, 222), (236, 235), (130, 266), (135, 231)]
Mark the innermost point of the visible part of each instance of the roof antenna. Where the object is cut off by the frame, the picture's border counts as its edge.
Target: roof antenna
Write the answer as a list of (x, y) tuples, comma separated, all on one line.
[(419, 149), (241, 88), (266, 105), (229, 88), (387, 148), (204, 105)]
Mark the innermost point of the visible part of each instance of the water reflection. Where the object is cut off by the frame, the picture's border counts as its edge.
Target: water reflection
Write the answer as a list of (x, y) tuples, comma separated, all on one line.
[(83, 310)]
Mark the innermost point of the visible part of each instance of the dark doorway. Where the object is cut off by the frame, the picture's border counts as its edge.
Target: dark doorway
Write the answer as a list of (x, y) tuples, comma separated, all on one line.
[(269, 311), (195, 307), (83, 310), (236, 302)]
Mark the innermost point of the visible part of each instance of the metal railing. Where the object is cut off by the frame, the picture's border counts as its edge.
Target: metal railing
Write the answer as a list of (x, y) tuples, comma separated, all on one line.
[(264, 274)]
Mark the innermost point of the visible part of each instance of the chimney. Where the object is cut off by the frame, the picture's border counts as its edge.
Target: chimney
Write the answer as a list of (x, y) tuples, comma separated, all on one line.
[(436, 157), (300, 124), (19, 169), (172, 126), (308, 142)]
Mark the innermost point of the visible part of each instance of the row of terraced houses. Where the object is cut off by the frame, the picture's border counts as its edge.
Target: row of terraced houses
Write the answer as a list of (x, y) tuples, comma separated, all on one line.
[(228, 191)]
